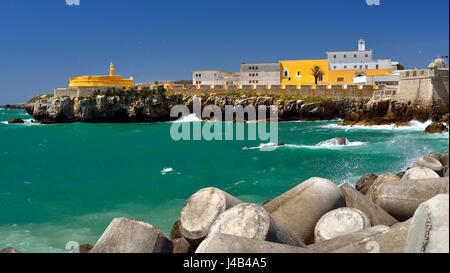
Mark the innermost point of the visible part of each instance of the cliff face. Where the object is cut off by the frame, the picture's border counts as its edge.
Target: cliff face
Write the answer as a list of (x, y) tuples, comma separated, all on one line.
[(157, 108), (103, 109), (387, 111)]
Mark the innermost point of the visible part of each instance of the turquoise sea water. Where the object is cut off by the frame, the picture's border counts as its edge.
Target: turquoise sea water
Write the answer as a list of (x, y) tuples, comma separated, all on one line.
[(66, 182)]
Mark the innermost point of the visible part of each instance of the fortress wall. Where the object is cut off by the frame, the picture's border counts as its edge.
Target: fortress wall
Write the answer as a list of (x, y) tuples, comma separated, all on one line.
[(426, 87), (334, 91)]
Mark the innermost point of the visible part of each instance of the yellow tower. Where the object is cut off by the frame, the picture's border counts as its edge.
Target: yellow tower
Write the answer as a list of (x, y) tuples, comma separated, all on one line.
[(111, 69), (110, 80)]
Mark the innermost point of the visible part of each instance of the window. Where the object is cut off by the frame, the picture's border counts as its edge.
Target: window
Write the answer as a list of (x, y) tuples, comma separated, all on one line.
[(299, 75), (256, 81), (286, 72), (354, 56), (289, 79), (367, 55), (320, 79), (199, 75), (256, 67), (340, 79), (256, 74), (249, 81), (334, 56), (345, 67), (355, 66), (334, 67), (377, 67), (360, 67), (249, 74), (345, 56), (367, 67)]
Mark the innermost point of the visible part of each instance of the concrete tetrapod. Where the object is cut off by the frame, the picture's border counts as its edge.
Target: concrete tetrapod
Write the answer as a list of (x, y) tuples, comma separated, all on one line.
[(253, 222), (429, 162), (387, 241), (225, 243), (340, 222), (372, 192), (342, 241), (376, 214), (401, 198), (429, 227), (126, 235), (299, 209), (419, 173), (201, 210)]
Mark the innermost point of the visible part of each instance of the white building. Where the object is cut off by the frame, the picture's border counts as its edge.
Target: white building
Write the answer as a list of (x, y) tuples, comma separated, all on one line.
[(214, 77), (358, 59)]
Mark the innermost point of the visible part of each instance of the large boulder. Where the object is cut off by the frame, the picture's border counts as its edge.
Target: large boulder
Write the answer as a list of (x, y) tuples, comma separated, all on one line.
[(16, 121), (376, 214), (201, 210), (299, 209), (365, 182), (444, 159), (86, 248), (337, 141), (372, 192), (401, 198), (390, 240), (9, 250), (340, 222), (429, 162), (253, 222), (419, 173), (126, 235), (342, 241), (225, 243), (429, 231)]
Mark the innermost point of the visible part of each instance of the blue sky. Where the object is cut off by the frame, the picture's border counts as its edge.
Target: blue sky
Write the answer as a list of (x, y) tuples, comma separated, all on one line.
[(44, 42)]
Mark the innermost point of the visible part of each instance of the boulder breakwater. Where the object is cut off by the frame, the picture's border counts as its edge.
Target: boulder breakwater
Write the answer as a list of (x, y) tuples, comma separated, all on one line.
[(387, 213), (151, 106)]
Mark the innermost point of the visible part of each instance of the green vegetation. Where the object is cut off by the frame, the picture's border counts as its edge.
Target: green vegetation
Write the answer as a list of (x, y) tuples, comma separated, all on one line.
[(40, 97)]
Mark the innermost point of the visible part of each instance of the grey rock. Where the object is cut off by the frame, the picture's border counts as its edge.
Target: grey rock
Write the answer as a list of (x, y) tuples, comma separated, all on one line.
[(340, 222), (299, 209), (401, 198), (126, 235), (253, 222), (376, 214), (201, 210), (419, 172), (429, 162), (224, 243), (9, 250), (342, 241), (365, 182), (429, 231)]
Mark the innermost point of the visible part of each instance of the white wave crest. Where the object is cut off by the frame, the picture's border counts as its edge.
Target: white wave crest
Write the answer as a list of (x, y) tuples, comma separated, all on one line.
[(27, 122), (188, 118), (414, 125), (166, 170)]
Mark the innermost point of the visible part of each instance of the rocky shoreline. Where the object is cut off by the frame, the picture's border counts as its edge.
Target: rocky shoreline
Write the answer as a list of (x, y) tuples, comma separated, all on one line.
[(137, 107), (403, 213)]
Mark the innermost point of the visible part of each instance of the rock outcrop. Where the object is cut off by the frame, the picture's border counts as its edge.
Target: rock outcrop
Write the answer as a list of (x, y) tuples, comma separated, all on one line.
[(133, 107), (388, 111)]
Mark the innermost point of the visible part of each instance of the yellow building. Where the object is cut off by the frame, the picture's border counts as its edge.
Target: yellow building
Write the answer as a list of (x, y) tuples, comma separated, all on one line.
[(341, 67), (298, 72), (110, 80)]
